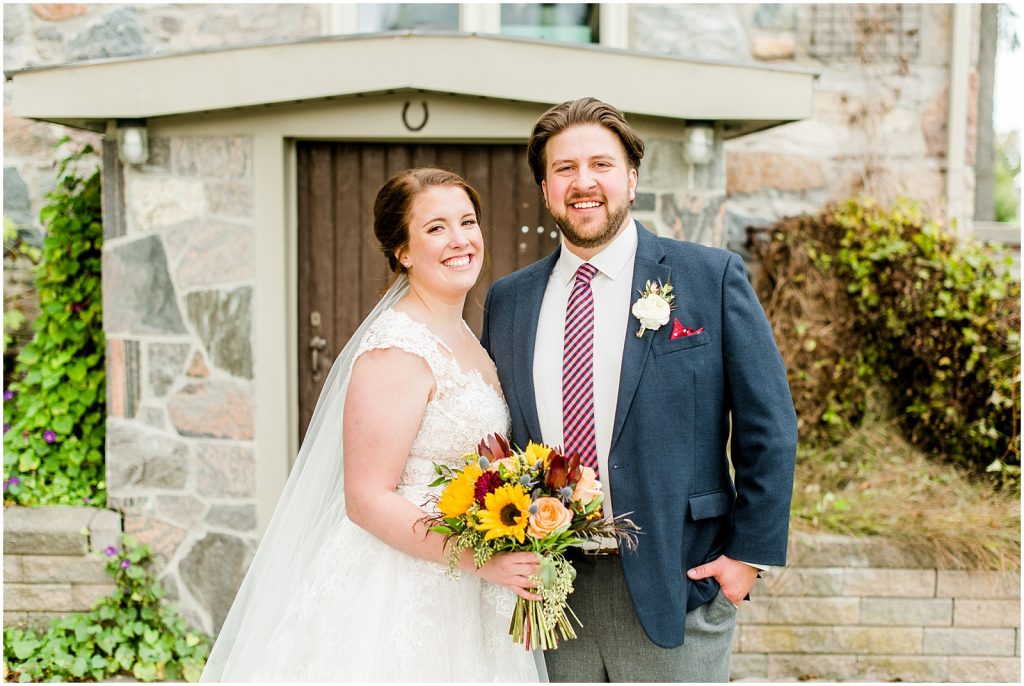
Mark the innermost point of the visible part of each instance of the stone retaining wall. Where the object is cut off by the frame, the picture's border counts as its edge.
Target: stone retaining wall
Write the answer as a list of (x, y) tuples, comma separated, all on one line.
[(849, 609), (51, 565)]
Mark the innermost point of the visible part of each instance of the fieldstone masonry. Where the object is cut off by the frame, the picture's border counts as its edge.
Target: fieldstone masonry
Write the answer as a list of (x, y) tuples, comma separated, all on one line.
[(178, 286)]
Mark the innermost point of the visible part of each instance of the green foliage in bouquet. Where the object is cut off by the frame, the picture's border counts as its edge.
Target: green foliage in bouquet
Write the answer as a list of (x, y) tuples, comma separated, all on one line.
[(133, 631), (54, 407), (534, 500), (863, 297)]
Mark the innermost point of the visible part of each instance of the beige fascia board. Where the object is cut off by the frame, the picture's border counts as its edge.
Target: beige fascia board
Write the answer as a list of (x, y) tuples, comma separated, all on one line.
[(465, 64), (378, 118)]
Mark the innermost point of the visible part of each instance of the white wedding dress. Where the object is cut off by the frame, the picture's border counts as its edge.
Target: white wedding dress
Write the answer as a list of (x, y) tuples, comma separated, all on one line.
[(372, 613)]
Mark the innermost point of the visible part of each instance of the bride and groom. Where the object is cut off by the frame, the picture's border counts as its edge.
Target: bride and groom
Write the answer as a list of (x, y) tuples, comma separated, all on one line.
[(348, 585)]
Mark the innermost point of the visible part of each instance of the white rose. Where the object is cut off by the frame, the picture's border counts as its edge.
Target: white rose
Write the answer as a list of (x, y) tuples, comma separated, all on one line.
[(652, 311)]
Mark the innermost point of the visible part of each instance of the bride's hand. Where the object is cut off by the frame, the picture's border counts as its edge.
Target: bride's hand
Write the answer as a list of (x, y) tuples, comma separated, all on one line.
[(512, 570)]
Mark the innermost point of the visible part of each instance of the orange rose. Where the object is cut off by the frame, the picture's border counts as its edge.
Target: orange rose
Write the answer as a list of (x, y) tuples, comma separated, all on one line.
[(510, 465), (587, 488), (551, 516)]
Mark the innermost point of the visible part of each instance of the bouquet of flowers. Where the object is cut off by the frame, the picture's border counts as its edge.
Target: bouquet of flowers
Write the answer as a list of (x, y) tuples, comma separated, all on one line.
[(536, 500)]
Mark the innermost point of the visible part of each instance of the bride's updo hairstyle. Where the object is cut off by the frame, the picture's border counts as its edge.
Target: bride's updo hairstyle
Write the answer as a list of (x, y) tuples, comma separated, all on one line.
[(394, 201)]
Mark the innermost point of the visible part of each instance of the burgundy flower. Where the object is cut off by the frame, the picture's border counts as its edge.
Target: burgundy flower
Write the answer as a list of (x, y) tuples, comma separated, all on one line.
[(77, 307), (110, 551), (493, 447), (562, 471), (125, 564), (7, 427), (487, 482), (49, 437)]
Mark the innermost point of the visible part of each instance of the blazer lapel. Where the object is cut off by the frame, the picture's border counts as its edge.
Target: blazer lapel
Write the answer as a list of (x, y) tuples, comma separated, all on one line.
[(529, 296), (647, 267)]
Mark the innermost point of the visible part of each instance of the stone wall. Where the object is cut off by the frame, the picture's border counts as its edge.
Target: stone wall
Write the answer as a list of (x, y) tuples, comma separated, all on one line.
[(879, 122), (864, 609), (178, 281), (53, 561)]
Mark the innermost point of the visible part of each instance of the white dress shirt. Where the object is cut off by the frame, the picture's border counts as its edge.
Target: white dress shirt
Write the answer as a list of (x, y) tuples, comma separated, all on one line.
[(611, 287)]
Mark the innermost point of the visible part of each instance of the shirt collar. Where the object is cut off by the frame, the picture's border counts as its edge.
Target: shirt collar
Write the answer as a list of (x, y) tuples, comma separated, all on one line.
[(611, 261)]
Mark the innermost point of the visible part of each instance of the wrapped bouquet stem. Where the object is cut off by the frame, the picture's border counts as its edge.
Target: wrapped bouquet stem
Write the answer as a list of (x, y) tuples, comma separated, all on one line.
[(533, 500)]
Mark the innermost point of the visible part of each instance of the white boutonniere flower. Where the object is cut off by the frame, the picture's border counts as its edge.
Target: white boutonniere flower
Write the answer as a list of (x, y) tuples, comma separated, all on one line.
[(653, 307)]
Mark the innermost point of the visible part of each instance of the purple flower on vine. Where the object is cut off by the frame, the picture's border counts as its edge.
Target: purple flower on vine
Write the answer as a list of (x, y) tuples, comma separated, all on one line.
[(13, 481), (7, 427), (77, 307), (110, 551), (8, 394), (125, 564), (49, 437)]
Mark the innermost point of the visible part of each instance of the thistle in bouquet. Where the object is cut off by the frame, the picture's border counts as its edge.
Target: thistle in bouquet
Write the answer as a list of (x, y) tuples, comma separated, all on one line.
[(534, 500)]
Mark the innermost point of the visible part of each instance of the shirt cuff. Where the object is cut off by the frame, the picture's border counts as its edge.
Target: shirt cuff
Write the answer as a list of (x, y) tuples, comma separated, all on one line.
[(763, 568)]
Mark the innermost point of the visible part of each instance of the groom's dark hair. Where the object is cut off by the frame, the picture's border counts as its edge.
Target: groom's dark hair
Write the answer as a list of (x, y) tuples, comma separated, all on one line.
[(581, 111)]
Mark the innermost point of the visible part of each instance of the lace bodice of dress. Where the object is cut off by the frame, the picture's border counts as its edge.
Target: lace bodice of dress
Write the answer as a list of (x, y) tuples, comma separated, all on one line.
[(464, 408)]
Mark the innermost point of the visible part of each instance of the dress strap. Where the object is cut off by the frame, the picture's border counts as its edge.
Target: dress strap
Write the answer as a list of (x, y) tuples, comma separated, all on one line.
[(395, 329)]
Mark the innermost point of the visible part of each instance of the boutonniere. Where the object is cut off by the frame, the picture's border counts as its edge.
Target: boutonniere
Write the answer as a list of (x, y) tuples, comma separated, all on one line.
[(653, 307)]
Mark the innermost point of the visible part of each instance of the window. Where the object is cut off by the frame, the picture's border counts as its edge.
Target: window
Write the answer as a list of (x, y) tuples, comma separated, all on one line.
[(607, 24), (577, 23), (405, 16)]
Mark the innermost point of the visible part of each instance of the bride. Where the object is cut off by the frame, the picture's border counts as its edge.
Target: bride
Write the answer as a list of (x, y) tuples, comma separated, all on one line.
[(348, 585)]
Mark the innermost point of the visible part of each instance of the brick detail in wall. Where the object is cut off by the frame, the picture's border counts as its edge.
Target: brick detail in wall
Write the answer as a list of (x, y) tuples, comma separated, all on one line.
[(123, 381)]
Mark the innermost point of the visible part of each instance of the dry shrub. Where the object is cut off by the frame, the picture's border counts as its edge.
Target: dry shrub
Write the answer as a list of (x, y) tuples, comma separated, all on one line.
[(876, 483), (864, 298), (812, 318)]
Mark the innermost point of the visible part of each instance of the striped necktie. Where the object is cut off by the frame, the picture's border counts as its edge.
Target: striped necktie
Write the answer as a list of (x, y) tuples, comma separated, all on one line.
[(578, 429)]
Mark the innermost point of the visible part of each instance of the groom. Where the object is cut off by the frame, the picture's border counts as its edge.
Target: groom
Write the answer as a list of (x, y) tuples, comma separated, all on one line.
[(651, 404)]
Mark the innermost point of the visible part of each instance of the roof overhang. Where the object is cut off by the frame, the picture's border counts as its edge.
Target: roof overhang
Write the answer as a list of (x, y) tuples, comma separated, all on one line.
[(743, 97)]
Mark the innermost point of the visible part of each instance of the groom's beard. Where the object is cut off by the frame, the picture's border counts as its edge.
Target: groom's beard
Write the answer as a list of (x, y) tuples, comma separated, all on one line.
[(574, 234)]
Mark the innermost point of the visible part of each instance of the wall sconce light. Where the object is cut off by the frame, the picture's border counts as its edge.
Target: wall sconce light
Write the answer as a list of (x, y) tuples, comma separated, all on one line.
[(699, 142), (132, 141)]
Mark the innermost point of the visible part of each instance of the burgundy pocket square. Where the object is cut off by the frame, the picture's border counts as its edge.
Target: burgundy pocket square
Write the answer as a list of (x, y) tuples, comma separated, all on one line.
[(680, 331)]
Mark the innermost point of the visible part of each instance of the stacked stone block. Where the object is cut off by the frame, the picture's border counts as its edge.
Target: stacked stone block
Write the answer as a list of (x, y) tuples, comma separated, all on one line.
[(850, 609), (54, 563)]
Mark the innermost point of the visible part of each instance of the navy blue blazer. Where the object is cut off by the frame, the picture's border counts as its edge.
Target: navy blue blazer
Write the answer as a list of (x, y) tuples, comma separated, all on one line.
[(668, 463)]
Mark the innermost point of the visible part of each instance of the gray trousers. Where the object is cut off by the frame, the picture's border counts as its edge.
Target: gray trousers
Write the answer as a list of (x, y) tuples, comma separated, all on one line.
[(612, 646)]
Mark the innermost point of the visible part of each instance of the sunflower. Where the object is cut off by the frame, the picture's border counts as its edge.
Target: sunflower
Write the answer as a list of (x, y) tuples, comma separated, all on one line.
[(535, 452), (458, 494), (506, 512)]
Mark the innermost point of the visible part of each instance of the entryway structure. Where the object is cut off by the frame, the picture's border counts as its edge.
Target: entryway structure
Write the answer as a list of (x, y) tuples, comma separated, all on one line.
[(238, 249)]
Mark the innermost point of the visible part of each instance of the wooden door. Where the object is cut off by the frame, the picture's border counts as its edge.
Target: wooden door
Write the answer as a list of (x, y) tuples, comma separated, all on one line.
[(342, 271)]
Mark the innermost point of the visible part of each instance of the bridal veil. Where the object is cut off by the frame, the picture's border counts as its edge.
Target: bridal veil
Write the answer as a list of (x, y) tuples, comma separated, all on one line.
[(310, 508)]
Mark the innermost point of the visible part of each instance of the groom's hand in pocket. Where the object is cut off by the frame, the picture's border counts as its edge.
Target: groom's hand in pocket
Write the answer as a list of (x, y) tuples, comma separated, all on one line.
[(736, 578), (513, 570)]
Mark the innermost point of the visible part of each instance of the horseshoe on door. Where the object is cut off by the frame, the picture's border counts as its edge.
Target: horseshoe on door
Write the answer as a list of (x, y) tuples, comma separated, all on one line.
[(405, 116)]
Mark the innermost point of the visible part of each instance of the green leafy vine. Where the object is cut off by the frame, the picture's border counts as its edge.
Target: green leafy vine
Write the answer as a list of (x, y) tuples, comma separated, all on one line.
[(54, 408)]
